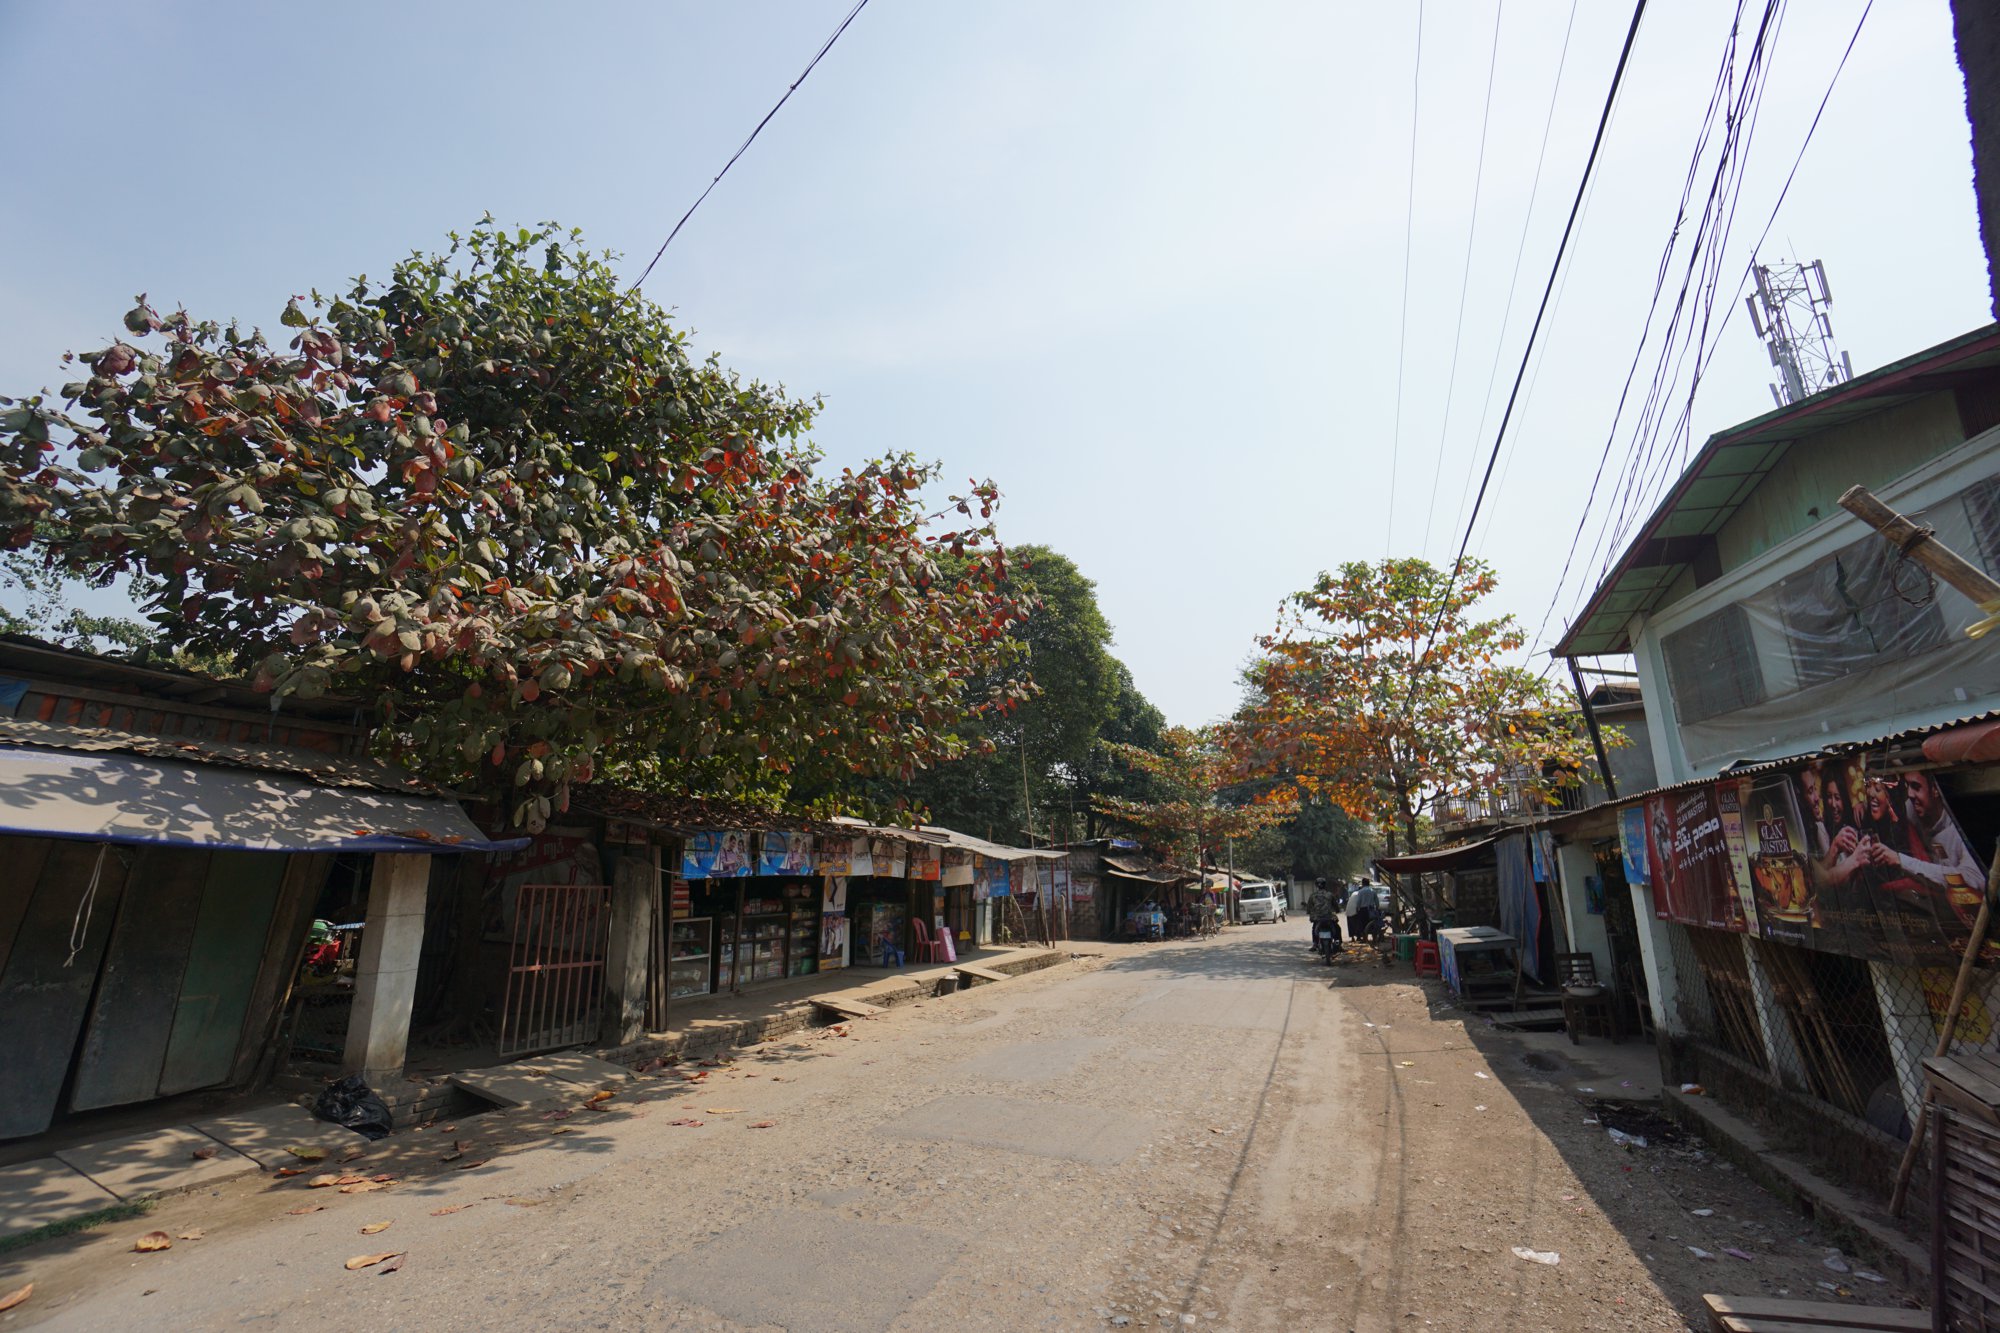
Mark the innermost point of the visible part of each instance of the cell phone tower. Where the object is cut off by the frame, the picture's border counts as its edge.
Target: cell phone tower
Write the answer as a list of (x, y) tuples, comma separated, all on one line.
[(1788, 310)]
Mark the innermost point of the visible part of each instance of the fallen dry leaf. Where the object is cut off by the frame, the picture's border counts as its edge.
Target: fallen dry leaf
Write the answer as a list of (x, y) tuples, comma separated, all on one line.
[(392, 1266), (362, 1187), (602, 1095), (321, 1182), (202, 1154), (193, 1233), (563, 1114), (469, 1165), (356, 1155), (725, 1110), (351, 1178), (153, 1241), (449, 1209), (763, 1124), (284, 1171), (521, 1201), (14, 1298), (307, 1154), (374, 1227), (383, 1179), (691, 1124), (309, 1208), (449, 1129), (562, 1129), (370, 1260), (1213, 1130)]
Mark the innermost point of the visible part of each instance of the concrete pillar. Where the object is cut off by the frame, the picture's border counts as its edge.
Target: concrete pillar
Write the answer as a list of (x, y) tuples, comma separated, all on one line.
[(1906, 1018), (1656, 954), (385, 982), (628, 961), (1779, 1047)]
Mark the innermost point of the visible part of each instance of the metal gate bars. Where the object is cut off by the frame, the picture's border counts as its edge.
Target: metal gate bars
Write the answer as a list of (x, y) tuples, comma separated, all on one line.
[(555, 969)]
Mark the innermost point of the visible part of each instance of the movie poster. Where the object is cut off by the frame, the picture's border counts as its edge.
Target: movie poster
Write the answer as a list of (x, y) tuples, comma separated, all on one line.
[(1687, 850), (925, 862), (1853, 857), (715, 855), (1632, 845), (786, 854), (891, 860), (844, 856)]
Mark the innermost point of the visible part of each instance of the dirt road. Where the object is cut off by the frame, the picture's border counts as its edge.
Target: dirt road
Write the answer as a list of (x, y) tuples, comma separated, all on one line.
[(1217, 1134)]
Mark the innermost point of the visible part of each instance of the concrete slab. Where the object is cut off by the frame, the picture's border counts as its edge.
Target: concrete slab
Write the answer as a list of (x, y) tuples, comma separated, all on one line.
[(158, 1162), (846, 1008), (37, 1193), (839, 1275), (513, 1085), (584, 1071), (1034, 1061), (1044, 1129), (983, 973), (264, 1135)]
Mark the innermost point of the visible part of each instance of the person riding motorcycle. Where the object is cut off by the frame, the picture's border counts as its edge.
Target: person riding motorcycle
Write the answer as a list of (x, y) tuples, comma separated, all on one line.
[(1323, 910)]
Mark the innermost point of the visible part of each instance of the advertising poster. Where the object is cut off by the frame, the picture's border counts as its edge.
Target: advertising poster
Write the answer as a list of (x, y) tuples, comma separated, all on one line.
[(890, 858), (1694, 881), (957, 867), (715, 855), (843, 856), (1850, 856), (925, 862), (833, 923), (1632, 844), (786, 853)]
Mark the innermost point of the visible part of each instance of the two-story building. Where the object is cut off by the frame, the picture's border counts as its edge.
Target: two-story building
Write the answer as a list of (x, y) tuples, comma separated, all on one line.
[(1808, 853)]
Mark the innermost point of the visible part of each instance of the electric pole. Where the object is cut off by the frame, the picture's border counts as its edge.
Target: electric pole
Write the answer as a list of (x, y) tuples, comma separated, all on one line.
[(1788, 310)]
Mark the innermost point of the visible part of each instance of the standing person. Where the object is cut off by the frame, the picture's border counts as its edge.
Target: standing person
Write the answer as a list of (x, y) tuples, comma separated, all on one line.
[(1362, 910)]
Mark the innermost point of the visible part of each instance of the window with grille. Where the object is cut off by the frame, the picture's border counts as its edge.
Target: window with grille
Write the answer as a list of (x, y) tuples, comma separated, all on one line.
[(1712, 666)]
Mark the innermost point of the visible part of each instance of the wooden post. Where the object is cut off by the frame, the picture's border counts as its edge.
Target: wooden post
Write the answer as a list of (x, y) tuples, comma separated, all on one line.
[(1950, 1030), (1596, 736), (1920, 544)]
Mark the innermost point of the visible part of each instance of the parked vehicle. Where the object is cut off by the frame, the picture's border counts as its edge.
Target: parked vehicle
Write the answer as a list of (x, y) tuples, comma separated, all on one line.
[(1260, 901)]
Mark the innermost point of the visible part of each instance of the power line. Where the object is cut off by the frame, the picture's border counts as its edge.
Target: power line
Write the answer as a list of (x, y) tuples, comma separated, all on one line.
[(1465, 278), (1403, 326), (1534, 330), (859, 5)]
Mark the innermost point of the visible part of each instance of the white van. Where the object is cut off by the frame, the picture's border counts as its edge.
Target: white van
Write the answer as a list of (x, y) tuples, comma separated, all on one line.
[(1261, 900)]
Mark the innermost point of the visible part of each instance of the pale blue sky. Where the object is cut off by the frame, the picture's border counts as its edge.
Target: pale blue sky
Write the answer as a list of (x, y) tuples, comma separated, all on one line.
[(1138, 262)]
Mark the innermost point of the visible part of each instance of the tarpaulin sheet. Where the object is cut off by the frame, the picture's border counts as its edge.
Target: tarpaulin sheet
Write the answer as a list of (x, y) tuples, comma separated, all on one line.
[(138, 801), (1520, 908)]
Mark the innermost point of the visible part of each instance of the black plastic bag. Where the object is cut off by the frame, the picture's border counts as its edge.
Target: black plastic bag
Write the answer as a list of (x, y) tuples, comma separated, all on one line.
[(353, 1103)]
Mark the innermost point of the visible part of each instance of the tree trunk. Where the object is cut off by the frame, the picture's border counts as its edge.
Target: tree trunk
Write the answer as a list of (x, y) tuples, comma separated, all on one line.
[(1976, 27)]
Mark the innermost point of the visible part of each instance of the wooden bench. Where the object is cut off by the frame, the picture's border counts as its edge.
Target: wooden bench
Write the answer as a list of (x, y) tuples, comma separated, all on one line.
[(1763, 1314)]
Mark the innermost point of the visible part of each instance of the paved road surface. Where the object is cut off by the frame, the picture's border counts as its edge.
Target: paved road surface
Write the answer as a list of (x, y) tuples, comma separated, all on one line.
[(1217, 1134)]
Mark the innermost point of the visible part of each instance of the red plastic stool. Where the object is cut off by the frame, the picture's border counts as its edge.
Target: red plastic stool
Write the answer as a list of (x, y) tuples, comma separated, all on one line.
[(1426, 963)]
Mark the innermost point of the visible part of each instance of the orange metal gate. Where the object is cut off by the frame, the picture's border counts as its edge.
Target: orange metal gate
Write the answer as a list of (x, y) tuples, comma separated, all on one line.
[(555, 968)]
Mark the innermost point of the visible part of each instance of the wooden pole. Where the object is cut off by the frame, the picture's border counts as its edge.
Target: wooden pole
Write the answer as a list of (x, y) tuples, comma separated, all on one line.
[(1920, 544), (1947, 1034)]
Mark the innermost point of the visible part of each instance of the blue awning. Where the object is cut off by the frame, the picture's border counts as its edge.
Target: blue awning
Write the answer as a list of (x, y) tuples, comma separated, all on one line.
[(140, 801)]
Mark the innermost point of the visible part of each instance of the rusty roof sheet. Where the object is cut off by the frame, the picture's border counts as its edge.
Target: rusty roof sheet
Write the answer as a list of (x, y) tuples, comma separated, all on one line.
[(316, 766)]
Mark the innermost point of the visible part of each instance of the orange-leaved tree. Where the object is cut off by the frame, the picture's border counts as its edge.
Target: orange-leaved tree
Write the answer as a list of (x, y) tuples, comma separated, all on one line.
[(1382, 692), (1191, 769)]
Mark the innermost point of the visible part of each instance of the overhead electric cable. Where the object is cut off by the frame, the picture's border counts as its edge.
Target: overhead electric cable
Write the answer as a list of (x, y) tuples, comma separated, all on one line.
[(1403, 324), (859, 5), (1465, 277), (1534, 330)]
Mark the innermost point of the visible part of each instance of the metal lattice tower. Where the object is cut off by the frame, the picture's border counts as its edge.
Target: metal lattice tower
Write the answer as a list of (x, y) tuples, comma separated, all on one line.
[(1788, 310)]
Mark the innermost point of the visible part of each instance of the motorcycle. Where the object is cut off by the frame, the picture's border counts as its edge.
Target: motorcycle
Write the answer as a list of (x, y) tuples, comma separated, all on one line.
[(1326, 939)]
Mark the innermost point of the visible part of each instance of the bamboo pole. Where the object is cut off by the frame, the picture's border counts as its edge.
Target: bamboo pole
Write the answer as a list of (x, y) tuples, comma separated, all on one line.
[(1947, 1033), (1920, 543)]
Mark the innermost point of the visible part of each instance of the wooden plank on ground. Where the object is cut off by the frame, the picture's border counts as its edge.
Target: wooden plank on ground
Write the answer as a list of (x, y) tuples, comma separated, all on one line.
[(237, 904), (1767, 1314), (125, 1045), (44, 992), (983, 973), (844, 1007)]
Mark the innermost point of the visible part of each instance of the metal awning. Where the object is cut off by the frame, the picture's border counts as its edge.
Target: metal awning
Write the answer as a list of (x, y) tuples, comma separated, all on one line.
[(162, 802), (991, 850), (1439, 858)]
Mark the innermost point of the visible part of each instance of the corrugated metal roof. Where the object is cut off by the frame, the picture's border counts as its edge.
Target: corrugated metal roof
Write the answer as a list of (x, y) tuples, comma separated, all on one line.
[(316, 766), (1437, 858), (1730, 466)]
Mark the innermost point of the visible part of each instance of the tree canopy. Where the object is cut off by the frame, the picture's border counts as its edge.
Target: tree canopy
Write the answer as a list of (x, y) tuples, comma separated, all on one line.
[(1356, 701), (495, 497), (1190, 817)]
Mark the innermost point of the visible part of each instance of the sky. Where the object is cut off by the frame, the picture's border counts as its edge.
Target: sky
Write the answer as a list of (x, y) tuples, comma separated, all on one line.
[(1140, 262)]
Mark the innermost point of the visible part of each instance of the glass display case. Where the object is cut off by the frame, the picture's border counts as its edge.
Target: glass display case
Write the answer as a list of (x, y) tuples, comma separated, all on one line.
[(689, 953), (758, 956), (802, 940)]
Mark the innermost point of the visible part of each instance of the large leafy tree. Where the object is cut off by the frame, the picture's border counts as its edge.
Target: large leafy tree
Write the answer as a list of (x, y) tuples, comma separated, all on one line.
[(497, 498), (1383, 691), (1191, 817)]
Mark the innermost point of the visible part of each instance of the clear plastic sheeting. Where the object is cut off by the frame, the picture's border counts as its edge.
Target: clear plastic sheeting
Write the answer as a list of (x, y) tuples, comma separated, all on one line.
[(1859, 636)]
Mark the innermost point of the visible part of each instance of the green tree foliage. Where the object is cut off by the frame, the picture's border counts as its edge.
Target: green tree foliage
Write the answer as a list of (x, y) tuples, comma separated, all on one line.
[(1318, 840), (496, 497), (1190, 821)]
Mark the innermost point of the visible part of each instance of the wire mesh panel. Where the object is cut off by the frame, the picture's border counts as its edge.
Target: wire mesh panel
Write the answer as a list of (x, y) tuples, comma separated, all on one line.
[(1725, 1011), (555, 972)]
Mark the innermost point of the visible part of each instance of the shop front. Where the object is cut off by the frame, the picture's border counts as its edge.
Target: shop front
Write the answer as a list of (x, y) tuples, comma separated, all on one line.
[(750, 912)]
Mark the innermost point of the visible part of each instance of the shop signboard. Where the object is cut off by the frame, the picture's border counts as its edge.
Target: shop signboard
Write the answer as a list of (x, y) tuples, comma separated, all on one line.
[(924, 862), (716, 854), (1688, 850), (1632, 844), (890, 858), (1850, 856), (786, 853)]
